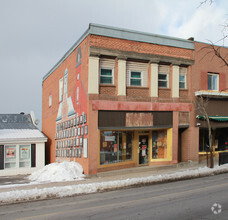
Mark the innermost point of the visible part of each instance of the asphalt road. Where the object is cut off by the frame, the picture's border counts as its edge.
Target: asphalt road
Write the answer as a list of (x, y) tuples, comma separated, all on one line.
[(189, 199)]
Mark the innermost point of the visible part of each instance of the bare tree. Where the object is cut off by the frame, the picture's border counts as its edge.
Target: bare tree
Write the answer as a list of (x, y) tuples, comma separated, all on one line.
[(201, 105)]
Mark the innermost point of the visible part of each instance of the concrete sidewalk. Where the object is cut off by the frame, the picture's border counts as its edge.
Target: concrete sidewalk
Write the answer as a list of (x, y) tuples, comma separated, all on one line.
[(20, 182)]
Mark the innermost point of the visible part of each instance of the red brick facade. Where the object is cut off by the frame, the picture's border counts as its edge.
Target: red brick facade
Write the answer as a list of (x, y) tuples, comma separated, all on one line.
[(137, 99)]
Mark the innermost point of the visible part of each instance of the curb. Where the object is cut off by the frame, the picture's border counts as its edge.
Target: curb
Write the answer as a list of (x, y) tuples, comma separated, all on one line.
[(18, 196)]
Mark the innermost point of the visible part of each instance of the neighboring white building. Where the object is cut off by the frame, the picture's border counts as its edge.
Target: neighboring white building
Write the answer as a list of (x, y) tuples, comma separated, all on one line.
[(22, 145)]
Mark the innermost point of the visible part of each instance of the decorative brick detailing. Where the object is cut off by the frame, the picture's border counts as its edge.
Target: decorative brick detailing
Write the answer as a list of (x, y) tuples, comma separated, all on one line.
[(164, 93), (107, 90), (183, 94), (137, 92), (139, 47)]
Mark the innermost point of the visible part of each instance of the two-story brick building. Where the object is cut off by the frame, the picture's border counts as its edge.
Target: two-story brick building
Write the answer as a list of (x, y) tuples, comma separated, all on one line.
[(120, 98), (210, 82)]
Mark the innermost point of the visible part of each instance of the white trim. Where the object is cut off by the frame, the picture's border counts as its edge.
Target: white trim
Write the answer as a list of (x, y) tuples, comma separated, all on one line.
[(141, 77), (211, 93), (25, 141), (112, 76), (183, 72), (167, 80)]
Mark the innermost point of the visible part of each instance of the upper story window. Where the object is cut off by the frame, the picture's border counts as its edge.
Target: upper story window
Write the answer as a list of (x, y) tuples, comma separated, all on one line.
[(106, 76), (137, 74), (183, 78), (61, 89), (107, 71), (212, 81), (163, 76), (135, 78)]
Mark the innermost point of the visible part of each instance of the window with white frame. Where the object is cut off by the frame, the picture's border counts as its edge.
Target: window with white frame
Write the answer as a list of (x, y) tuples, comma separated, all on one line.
[(106, 76), (163, 80), (137, 74), (10, 156), (61, 89), (213, 81), (163, 76), (107, 67), (135, 78), (25, 155), (183, 78)]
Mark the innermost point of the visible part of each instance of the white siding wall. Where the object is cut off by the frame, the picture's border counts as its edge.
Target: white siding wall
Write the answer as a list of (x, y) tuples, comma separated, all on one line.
[(107, 63), (40, 161)]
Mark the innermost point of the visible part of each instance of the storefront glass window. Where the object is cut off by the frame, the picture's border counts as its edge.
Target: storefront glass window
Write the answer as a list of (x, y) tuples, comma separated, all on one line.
[(159, 144), (25, 158), (10, 156), (115, 146)]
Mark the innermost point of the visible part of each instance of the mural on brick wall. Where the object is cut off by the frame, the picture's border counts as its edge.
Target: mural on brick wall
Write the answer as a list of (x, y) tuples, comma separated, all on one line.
[(71, 122)]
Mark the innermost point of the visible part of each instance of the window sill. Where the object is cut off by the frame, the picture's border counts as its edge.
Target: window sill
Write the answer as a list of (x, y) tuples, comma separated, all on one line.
[(181, 89), (107, 85), (137, 87), (164, 88)]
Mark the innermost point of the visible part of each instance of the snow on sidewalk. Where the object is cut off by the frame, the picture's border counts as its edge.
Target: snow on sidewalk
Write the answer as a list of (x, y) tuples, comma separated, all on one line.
[(58, 172), (62, 191)]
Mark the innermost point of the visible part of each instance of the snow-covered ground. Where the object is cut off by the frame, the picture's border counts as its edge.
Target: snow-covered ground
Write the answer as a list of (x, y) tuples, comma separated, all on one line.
[(86, 188)]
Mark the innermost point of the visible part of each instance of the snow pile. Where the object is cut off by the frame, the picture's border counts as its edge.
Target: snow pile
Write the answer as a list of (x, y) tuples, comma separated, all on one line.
[(77, 189), (58, 172)]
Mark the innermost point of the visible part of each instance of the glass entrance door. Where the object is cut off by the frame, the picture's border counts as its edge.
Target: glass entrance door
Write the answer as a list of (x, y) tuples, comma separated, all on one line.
[(143, 149)]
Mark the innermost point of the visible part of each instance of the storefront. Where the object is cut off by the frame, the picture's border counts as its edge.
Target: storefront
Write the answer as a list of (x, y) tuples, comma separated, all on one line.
[(217, 113), (134, 145), (139, 146), (22, 145)]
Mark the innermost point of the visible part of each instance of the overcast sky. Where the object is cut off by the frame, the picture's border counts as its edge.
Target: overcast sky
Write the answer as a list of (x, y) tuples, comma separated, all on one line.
[(35, 34)]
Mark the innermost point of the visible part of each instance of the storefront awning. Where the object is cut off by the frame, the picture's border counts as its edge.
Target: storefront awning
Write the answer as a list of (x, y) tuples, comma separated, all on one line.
[(215, 118)]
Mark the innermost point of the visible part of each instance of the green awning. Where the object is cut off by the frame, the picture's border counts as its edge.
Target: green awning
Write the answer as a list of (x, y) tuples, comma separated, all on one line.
[(215, 118)]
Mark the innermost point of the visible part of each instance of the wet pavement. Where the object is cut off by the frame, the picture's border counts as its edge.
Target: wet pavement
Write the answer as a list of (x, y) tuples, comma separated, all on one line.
[(18, 179)]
